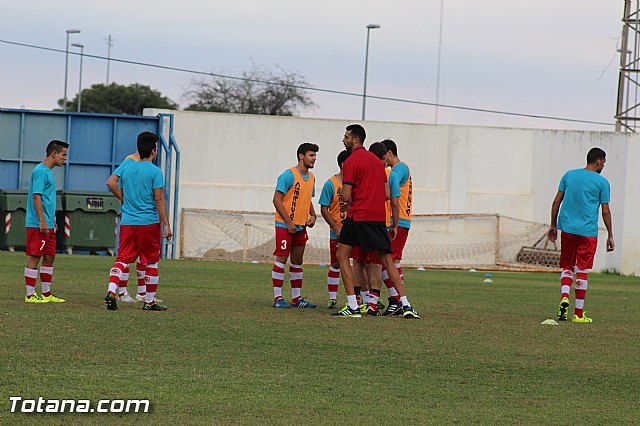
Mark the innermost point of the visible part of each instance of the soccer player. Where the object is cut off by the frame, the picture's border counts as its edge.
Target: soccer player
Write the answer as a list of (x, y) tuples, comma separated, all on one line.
[(41, 224), (294, 213), (113, 183), (330, 202), (140, 230), (401, 189), (363, 191), (581, 193)]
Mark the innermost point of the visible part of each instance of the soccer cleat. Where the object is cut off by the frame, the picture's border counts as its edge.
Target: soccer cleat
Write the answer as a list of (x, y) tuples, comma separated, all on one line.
[(111, 302), (394, 308), (153, 307), (380, 306), (373, 313), (332, 304), (583, 319), (301, 303), (347, 312), (409, 313), (281, 304), (126, 298), (52, 298), (363, 308), (563, 308), (33, 299)]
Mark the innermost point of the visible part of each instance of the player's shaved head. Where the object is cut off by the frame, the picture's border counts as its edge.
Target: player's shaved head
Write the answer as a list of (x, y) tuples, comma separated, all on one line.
[(147, 142), (56, 146), (357, 130), (595, 154)]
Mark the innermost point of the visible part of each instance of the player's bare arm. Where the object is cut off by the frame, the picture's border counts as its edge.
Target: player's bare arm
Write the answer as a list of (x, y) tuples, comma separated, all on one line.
[(324, 211), (312, 217), (552, 235), (395, 217), (345, 193), (277, 203), (606, 218), (112, 184), (161, 205), (37, 204)]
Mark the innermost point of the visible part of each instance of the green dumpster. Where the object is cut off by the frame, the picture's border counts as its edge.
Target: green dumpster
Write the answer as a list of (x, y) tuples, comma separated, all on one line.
[(13, 209), (87, 221)]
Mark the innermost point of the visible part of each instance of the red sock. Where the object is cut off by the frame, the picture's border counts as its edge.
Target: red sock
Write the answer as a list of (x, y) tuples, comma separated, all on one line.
[(393, 293), (374, 295), (277, 279), (333, 282), (295, 278), (124, 281), (566, 279), (581, 292)]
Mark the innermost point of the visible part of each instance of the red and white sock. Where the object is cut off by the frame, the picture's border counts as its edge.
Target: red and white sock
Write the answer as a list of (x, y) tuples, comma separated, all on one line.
[(141, 272), (374, 296), (124, 281), (582, 282), (152, 283), (333, 282), (399, 268), (277, 279), (393, 293), (566, 279), (114, 277), (30, 277), (295, 278), (46, 276)]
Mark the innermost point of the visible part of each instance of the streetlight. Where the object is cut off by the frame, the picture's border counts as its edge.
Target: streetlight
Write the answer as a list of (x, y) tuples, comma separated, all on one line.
[(366, 63), (66, 66), (81, 46)]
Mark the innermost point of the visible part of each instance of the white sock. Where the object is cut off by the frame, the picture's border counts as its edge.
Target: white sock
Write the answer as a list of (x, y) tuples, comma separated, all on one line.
[(351, 300)]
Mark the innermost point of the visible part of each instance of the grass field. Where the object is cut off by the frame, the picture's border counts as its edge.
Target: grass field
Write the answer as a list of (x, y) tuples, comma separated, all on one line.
[(222, 355)]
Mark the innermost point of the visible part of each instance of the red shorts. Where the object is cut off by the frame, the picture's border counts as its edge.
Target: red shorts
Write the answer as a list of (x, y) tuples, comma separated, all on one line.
[(357, 254), (397, 245), (139, 240), (40, 244), (333, 250), (372, 257), (285, 240), (577, 251)]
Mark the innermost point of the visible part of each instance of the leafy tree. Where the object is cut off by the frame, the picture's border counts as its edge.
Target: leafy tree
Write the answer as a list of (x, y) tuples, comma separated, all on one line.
[(119, 99), (259, 91)]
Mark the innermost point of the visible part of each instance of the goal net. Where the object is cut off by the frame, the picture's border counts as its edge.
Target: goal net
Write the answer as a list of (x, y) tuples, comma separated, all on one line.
[(435, 240)]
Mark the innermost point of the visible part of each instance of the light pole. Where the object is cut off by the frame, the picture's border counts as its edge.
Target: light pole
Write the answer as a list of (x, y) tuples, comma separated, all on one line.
[(66, 66), (366, 64), (81, 46)]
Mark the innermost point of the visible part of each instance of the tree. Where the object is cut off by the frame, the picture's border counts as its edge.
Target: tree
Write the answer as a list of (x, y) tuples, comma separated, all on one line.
[(118, 99), (259, 91)]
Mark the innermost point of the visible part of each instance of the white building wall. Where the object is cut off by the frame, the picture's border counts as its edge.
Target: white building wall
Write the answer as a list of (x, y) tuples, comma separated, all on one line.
[(232, 161)]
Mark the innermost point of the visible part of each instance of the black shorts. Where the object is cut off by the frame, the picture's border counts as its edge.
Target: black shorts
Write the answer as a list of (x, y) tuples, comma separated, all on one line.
[(370, 236)]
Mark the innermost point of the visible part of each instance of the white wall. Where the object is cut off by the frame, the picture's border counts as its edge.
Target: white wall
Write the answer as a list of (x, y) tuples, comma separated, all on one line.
[(231, 162)]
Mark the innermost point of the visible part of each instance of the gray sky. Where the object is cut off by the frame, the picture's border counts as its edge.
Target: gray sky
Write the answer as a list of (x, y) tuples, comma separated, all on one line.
[(543, 57)]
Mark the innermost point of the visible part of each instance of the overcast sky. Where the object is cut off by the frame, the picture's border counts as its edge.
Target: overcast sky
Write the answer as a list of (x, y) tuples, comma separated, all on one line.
[(544, 57)]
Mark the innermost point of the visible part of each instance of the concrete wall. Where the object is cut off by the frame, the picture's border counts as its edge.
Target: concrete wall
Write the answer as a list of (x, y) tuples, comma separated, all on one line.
[(231, 162)]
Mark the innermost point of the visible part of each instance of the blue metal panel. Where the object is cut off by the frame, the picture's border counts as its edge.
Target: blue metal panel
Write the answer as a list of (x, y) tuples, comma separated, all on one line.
[(92, 140), (8, 175), (39, 130), (88, 178), (127, 134), (9, 132)]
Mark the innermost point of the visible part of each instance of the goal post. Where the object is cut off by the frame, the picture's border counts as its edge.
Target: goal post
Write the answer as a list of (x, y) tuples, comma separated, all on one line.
[(482, 240)]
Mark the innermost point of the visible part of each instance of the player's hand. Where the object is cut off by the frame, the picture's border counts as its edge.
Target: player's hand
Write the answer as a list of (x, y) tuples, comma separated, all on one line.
[(311, 221), (44, 228), (552, 235), (337, 231), (167, 233), (393, 232), (344, 207), (291, 227), (610, 244)]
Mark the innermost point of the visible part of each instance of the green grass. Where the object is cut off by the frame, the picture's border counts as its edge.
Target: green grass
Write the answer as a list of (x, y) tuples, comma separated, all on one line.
[(222, 355)]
